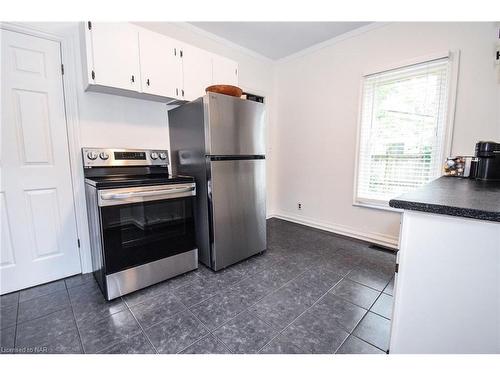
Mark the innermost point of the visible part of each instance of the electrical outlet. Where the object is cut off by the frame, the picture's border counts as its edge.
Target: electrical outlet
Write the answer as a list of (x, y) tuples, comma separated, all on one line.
[(299, 206)]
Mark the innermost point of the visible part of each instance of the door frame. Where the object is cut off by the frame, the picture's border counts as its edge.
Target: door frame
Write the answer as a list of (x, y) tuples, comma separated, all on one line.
[(68, 49)]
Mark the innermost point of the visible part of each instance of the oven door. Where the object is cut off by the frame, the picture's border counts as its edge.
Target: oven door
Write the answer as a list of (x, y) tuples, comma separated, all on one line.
[(143, 224)]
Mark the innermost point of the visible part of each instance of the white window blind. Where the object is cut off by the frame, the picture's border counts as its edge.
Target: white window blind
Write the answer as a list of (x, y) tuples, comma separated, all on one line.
[(403, 127)]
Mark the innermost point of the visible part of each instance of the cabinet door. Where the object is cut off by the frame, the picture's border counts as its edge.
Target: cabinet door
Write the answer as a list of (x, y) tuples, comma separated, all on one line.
[(115, 52), (161, 65), (225, 71), (197, 72)]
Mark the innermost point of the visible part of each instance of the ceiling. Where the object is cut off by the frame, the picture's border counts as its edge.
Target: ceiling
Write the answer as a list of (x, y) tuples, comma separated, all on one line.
[(276, 40)]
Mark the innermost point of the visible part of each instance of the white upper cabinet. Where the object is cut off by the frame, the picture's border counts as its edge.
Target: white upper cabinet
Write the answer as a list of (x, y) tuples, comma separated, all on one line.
[(197, 71), (115, 55), (161, 65), (224, 71), (124, 59)]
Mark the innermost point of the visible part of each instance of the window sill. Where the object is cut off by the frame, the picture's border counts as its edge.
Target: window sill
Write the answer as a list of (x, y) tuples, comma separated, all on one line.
[(383, 207)]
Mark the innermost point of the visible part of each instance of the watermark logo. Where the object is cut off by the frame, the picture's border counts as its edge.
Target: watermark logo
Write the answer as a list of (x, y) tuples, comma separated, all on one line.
[(24, 350)]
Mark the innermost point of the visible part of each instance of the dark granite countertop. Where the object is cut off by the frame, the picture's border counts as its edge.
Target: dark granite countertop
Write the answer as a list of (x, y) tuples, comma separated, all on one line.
[(456, 197)]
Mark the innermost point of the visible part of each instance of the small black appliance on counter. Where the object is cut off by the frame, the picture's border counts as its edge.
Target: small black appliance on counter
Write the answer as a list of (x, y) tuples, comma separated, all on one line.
[(486, 164)]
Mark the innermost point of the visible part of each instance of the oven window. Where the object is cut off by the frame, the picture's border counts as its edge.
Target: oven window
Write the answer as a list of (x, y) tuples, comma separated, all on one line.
[(140, 233)]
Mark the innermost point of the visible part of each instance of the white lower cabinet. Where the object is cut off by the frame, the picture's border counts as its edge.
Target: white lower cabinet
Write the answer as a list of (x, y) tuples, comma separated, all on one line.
[(447, 289), (125, 59)]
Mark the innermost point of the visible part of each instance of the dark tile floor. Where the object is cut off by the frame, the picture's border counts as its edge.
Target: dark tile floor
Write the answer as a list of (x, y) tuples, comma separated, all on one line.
[(310, 292)]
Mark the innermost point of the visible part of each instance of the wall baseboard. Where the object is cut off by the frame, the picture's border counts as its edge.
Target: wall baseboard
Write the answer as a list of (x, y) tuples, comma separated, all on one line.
[(377, 238)]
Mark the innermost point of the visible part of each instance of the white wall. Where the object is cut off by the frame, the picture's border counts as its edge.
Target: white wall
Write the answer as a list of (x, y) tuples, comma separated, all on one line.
[(317, 101)]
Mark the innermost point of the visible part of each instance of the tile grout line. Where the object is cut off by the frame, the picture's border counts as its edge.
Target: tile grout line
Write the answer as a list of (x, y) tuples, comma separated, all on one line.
[(164, 320), (369, 343), (17, 317), (307, 309), (257, 301), (140, 326), (74, 319), (351, 332), (376, 290), (247, 309), (368, 311), (45, 294), (345, 277), (61, 308), (41, 316), (123, 339), (172, 292), (357, 324), (209, 332), (218, 293), (376, 313), (201, 338), (84, 321), (206, 299), (226, 288), (126, 308)]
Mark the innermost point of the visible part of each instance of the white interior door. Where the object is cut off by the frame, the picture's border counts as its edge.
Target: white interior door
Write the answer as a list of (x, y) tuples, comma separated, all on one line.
[(39, 236), (161, 65)]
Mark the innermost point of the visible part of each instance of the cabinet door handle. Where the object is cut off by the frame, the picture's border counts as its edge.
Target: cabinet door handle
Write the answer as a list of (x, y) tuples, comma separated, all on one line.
[(147, 82), (182, 92), (132, 79), (176, 92)]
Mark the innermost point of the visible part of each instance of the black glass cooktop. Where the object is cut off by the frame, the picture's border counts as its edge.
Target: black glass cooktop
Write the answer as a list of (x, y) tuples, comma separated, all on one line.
[(140, 180)]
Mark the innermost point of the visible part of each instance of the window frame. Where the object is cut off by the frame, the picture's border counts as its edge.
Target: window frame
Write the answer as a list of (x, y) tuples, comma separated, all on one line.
[(453, 70)]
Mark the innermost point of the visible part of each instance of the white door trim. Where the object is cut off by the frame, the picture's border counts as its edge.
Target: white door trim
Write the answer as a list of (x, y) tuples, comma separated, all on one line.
[(68, 44)]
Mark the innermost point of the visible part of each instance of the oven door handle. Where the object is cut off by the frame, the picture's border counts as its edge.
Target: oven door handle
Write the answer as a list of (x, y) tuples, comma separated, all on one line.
[(140, 194)]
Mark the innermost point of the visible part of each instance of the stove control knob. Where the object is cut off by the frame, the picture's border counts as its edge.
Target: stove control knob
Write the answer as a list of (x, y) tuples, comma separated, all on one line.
[(163, 155), (92, 155), (104, 156), (154, 155)]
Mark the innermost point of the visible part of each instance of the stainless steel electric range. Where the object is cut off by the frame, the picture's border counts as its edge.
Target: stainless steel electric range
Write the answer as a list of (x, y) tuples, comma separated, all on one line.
[(140, 217)]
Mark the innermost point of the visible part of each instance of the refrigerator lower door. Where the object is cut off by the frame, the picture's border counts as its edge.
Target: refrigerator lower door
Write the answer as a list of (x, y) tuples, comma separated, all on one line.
[(238, 210)]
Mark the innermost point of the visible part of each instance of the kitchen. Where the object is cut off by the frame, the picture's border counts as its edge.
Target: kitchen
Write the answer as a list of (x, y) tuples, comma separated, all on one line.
[(290, 249)]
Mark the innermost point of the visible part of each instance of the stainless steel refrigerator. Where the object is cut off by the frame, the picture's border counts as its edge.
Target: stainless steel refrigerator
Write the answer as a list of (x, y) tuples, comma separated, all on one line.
[(220, 140)]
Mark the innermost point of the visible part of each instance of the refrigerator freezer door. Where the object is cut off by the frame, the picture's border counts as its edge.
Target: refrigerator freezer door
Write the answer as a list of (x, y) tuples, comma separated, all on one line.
[(238, 206), (234, 126)]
